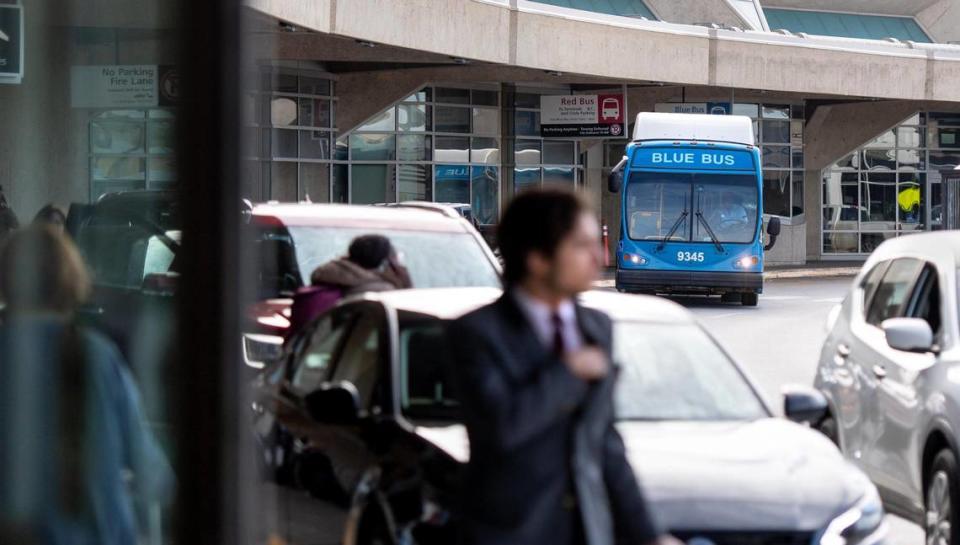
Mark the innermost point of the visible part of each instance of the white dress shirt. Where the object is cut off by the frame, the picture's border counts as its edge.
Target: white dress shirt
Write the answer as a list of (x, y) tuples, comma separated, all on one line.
[(540, 316)]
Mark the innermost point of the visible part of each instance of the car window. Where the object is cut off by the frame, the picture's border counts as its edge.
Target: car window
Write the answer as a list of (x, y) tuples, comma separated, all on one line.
[(122, 254), (677, 372), (891, 294), (359, 359), (313, 366), (925, 301), (425, 390), (871, 282)]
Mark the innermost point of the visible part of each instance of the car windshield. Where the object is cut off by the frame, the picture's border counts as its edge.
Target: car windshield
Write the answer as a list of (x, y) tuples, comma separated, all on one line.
[(677, 372), (668, 372), (435, 259), (727, 204)]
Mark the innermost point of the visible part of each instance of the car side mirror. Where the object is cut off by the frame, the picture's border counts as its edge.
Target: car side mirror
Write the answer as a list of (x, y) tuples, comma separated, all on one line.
[(615, 178), (773, 227), (908, 334), (804, 405), (337, 404)]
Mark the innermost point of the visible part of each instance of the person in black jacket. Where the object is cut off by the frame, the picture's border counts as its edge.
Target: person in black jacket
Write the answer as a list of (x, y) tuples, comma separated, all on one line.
[(535, 381)]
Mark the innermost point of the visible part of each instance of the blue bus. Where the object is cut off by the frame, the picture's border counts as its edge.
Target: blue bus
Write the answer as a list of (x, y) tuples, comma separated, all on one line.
[(692, 208)]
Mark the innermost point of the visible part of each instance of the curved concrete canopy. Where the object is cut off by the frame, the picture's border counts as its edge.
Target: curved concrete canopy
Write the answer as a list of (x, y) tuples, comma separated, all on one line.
[(537, 36)]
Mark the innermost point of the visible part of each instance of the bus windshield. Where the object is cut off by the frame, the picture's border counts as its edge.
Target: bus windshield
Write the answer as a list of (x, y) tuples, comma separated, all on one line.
[(687, 207)]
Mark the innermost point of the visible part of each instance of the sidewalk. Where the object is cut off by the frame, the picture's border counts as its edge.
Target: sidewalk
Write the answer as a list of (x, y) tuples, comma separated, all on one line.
[(812, 269)]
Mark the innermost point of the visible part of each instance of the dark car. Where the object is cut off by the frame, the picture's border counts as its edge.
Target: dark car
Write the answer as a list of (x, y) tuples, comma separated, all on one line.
[(367, 397)]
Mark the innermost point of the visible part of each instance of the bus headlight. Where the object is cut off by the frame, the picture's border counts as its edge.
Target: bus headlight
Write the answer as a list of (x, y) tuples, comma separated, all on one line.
[(862, 524), (747, 262), (634, 259)]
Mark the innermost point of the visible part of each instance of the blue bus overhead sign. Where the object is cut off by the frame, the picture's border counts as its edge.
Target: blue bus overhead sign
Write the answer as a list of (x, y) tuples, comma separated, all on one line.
[(695, 159)]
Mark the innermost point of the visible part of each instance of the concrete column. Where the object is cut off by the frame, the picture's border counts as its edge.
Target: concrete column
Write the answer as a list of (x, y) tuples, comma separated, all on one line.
[(833, 130)]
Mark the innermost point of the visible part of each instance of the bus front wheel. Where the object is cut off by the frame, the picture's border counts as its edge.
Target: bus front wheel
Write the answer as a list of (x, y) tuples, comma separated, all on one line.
[(750, 299)]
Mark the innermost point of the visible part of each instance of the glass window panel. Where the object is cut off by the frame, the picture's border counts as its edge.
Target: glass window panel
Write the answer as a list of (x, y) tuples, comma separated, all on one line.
[(776, 157), (485, 150), (162, 169), (526, 100), (452, 119), (283, 112), (342, 153), (911, 137), (850, 162), (558, 153), (911, 200), (527, 152), (414, 118), (452, 183), (879, 159), (250, 144), (796, 133), (797, 111), (414, 183), (870, 241), (340, 190), (911, 159), (314, 86), (526, 178), (314, 112), (284, 143), (283, 83), (559, 176), (915, 119), (373, 147), (841, 202), (614, 153), (486, 195), (453, 96), (944, 137), (121, 114), (160, 137), (451, 149), (943, 118), (749, 110), (943, 160), (936, 205), (383, 121), (878, 195), (841, 243), (423, 95), (887, 139), (776, 132), (315, 182), (372, 184), (283, 181), (413, 147), (118, 168), (797, 160), (776, 112), (484, 98), (527, 123), (116, 137), (315, 144), (776, 193), (486, 121)]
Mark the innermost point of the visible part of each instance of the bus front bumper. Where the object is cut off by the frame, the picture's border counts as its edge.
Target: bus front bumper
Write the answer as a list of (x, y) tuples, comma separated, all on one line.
[(690, 281)]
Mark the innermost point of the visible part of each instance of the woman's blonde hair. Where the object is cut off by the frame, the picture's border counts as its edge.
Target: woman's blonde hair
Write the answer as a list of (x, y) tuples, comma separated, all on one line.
[(42, 270)]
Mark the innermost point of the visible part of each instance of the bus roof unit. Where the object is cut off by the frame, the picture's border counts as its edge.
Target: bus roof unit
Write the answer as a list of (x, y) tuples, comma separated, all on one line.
[(736, 129)]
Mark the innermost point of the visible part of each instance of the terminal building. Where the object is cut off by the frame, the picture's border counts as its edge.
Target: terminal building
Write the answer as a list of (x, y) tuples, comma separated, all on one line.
[(856, 104)]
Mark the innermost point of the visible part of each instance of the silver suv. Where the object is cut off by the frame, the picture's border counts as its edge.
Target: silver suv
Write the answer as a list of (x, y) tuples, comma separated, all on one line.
[(890, 369)]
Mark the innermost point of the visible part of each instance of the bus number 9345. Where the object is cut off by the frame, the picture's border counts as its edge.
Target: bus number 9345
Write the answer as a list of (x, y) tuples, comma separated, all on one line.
[(690, 256)]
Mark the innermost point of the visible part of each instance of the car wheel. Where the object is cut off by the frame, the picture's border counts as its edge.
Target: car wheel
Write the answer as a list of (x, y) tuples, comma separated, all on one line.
[(730, 298), (941, 496), (828, 427), (750, 299)]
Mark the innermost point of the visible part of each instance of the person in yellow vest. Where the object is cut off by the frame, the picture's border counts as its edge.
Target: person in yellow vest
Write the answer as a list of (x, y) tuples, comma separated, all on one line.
[(909, 201)]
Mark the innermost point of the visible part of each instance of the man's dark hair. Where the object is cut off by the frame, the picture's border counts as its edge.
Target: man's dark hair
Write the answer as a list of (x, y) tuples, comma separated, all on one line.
[(536, 221), (369, 251)]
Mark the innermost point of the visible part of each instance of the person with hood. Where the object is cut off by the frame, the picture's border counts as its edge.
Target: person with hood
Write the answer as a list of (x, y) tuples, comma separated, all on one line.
[(371, 264)]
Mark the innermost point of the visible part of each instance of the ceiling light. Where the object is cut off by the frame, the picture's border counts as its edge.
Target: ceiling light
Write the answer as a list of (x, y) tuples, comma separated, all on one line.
[(364, 43), (460, 60), (554, 73)]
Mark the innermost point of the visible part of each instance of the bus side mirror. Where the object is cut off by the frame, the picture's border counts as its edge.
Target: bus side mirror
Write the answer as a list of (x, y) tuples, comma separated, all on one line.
[(615, 178), (615, 181), (773, 229)]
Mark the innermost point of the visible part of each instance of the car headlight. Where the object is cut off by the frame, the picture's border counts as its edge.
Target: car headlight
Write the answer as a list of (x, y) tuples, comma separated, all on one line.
[(857, 525), (635, 259), (747, 262), (259, 350)]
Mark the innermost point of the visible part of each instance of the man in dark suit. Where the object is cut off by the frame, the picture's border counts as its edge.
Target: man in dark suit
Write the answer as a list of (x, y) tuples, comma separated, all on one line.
[(533, 373)]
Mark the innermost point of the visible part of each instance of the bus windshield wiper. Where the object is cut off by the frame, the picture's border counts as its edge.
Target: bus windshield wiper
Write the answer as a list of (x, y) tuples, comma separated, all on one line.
[(713, 237), (676, 225)]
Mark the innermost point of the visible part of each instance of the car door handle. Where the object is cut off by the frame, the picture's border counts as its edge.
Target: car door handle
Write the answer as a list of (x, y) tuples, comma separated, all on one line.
[(843, 350), (880, 372)]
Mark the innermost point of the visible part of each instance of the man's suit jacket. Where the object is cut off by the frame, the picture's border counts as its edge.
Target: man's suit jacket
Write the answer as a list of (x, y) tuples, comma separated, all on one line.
[(540, 436)]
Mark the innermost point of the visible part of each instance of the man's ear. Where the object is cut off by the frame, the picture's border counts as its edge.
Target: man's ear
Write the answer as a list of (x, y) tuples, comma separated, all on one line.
[(537, 264)]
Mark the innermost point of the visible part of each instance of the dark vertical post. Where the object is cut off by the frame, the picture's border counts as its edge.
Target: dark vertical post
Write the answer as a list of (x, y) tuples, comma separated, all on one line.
[(508, 94)]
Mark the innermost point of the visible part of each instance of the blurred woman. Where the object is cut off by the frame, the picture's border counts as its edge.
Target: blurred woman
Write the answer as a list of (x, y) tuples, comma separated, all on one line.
[(87, 459)]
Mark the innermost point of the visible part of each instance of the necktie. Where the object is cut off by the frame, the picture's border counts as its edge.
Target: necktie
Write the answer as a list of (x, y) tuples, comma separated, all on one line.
[(559, 347)]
